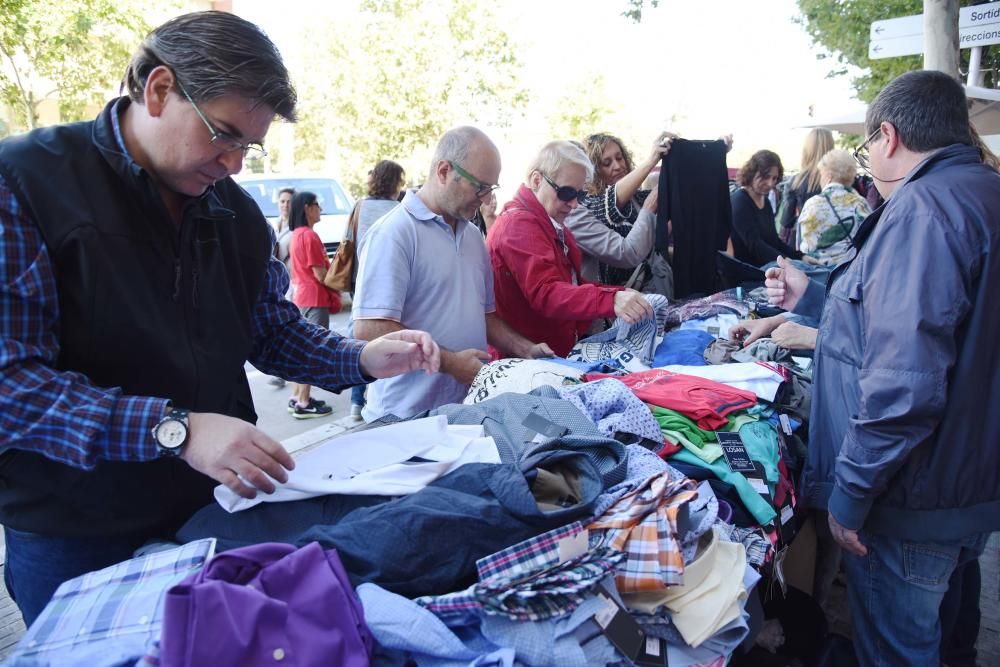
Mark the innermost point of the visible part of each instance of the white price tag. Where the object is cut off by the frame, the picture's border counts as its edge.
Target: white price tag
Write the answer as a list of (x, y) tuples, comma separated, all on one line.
[(607, 612), (573, 547), (653, 646), (758, 485), (786, 514)]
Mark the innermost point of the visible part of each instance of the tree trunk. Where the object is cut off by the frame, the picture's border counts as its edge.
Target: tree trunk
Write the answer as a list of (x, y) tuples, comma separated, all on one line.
[(941, 36)]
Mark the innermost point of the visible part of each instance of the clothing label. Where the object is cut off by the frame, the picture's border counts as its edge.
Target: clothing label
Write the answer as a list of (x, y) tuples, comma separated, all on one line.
[(653, 654), (735, 452), (573, 547), (760, 486), (607, 612), (786, 514), (620, 628), (786, 425), (540, 424)]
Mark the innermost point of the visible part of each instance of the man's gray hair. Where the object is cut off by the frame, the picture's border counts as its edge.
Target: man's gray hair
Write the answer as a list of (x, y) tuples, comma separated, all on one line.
[(214, 54), (557, 154), (454, 145), (928, 109)]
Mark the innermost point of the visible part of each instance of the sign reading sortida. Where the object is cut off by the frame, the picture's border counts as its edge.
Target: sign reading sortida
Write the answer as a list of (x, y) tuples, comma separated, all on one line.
[(978, 25)]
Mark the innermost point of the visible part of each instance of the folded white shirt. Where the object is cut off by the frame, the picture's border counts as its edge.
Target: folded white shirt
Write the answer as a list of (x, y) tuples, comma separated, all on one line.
[(759, 377), (393, 460)]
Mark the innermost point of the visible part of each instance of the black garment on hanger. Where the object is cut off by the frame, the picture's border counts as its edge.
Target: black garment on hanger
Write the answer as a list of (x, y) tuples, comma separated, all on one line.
[(694, 196)]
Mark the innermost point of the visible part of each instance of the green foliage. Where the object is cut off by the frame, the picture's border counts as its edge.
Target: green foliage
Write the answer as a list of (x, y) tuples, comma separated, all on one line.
[(633, 9), (386, 82), (580, 110), (842, 27), (73, 49)]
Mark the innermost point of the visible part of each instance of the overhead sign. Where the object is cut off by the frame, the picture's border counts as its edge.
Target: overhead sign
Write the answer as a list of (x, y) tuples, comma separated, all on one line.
[(978, 25)]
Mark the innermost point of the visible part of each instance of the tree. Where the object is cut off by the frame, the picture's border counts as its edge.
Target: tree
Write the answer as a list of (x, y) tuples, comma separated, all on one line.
[(75, 49), (633, 9), (843, 29), (389, 80)]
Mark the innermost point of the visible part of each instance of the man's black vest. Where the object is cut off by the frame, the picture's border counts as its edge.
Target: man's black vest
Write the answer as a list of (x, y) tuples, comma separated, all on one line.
[(145, 306)]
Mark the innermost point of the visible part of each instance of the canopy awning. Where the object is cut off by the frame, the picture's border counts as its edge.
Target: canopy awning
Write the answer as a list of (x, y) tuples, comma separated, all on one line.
[(984, 112)]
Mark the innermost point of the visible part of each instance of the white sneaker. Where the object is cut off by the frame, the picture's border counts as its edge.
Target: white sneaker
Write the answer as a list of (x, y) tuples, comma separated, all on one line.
[(356, 411)]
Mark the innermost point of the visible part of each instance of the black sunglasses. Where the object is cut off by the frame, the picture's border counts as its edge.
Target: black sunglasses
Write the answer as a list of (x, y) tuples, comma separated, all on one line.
[(564, 192)]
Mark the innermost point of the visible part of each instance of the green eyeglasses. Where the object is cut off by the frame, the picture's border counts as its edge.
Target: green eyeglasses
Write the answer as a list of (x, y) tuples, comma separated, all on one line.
[(224, 140), (482, 189)]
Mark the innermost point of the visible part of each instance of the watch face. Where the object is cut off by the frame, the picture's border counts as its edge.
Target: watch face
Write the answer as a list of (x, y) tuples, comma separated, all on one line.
[(171, 434)]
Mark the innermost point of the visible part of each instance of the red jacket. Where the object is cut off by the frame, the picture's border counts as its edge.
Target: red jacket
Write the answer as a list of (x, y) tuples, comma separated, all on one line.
[(533, 277)]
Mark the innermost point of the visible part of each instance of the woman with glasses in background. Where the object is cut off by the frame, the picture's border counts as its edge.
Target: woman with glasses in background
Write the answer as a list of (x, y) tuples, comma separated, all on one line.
[(314, 299), (537, 265)]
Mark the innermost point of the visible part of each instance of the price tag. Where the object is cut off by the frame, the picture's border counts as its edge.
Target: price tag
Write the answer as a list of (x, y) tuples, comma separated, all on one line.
[(735, 452), (574, 546), (786, 425)]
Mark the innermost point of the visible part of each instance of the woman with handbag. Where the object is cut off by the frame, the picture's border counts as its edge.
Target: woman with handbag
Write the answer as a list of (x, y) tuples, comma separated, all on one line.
[(829, 220), (385, 182), (311, 295)]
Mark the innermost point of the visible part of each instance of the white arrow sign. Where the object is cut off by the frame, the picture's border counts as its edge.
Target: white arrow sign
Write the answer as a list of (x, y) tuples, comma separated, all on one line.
[(978, 25)]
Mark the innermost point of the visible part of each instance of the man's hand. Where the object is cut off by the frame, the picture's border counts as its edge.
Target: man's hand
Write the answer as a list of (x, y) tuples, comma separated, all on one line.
[(539, 351), (464, 365), (632, 306), (793, 336), (785, 284), (223, 447), (848, 539), (747, 331), (400, 352)]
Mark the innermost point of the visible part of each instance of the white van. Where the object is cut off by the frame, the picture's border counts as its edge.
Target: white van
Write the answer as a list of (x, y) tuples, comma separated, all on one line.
[(336, 203)]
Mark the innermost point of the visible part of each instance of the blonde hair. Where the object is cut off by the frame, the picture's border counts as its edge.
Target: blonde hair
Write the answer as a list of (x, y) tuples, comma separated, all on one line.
[(818, 143), (555, 155), (840, 166)]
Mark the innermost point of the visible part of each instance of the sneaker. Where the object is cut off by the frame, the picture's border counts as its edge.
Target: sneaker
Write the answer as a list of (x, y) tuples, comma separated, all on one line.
[(276, 381), (312, 401), (356, 411), (314, 409)]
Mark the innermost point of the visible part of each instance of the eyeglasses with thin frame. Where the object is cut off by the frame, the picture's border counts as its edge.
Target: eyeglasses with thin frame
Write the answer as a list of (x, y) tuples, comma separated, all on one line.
[(227, 142), (861, 152), (482, 189), (564, 192)]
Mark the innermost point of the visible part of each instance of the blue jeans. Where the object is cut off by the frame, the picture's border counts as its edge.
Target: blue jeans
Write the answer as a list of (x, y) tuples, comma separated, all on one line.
[(895, 593), (37, 564), (357, 391)]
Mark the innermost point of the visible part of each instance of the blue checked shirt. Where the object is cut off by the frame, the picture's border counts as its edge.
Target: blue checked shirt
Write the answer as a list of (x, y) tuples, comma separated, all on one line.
[(529, 581), (112, 616), (63, 415)]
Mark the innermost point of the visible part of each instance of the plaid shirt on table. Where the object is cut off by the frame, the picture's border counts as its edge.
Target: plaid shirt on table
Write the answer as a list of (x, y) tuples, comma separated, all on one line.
[(643, 525), (110, 610), (527, 581), (62, 414)]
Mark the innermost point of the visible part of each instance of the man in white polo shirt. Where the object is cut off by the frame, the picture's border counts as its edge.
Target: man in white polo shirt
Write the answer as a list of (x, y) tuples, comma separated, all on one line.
[(425, 266)]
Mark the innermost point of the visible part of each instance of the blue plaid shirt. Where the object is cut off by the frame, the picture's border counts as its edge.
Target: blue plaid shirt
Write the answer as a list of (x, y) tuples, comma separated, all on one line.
[(112, 616), (529, 581), (63, 415)]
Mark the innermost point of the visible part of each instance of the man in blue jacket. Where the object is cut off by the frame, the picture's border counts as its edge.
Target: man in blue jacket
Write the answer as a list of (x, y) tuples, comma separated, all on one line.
[(903, 451)]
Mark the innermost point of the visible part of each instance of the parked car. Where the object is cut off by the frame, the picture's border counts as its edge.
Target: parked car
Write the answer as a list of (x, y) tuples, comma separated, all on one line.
[(336, 203)]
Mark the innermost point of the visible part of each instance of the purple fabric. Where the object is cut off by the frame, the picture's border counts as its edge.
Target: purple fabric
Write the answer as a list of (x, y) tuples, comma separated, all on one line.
[(266, 604), (725, 512)]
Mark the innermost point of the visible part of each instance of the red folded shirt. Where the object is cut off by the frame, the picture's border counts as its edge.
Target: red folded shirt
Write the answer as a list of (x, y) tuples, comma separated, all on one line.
[(705, 401)]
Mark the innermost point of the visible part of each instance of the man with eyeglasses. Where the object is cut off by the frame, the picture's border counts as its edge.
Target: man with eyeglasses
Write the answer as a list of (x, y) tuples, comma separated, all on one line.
[(425, 266), (137, 280), (903, 449), (537, 263)]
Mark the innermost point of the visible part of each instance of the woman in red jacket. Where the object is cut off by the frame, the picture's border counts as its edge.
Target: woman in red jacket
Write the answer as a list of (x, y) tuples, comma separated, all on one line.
[(536, 261)]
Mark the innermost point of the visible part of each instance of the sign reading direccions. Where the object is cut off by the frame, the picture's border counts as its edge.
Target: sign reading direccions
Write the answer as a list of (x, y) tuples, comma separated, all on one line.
[(978, 25)]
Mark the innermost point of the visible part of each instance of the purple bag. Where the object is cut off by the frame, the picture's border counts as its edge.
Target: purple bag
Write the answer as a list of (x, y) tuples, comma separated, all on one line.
[(266, 604)]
